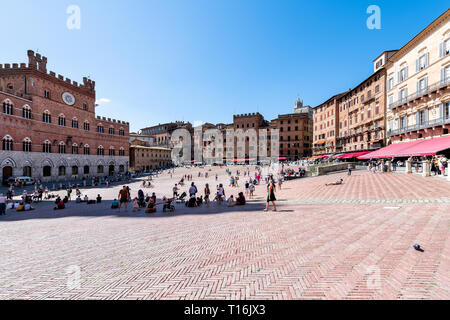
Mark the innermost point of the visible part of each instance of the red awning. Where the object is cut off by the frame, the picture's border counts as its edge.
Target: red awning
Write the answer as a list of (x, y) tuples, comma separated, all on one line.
[(416, 148), (428, 147), (354, 155)]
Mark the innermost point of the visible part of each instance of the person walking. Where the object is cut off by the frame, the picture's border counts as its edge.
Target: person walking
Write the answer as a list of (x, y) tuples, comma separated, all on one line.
[(123, 198), (271, 195), (207, 194)]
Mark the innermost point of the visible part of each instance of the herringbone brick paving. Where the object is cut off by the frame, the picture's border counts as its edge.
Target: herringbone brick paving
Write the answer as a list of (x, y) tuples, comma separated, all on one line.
[(340, 242)]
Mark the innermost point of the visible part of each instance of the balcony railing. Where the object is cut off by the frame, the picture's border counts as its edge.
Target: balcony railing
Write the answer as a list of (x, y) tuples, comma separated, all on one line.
[(422, 125), (422, 92)]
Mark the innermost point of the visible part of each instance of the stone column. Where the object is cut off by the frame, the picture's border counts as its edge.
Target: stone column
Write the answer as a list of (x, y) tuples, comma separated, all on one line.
[(408, 166), (389, 166), (426, 171)]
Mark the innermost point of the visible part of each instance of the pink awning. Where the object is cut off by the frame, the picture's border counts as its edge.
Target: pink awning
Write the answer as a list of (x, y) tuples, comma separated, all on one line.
[(354, 155), (428, 147), (411, 149), (351, 155)]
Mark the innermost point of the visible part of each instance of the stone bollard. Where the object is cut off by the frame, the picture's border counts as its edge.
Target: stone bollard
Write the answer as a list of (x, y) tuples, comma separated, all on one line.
[(408, 166), (426, 171)]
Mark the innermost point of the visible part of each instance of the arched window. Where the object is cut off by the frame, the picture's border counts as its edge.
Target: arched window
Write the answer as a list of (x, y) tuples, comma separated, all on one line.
[(47, 147), (100, 169), (74, 170), (86, 126), (121, 132), (86, 169), (112, 152), (47, 171), (100, 128), (27, 171), (74, 148), (62, 120), (26, 112), (61, 171), (62, 147), (7, 107), (75, 123), (121, 168), (121, 152), (86, 149), (100, 151), (111, 130), (7, 143), (26, 145), (46, 117)]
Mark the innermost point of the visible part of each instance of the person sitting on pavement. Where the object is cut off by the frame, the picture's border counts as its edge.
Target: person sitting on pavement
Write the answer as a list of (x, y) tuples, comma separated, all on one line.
[(21, 206), (60, 205), (199, 201), (151, 207), (99, 199), (136, 206), (192, 202), (115, 204), (86, 198), (240, 201), (230, 201)]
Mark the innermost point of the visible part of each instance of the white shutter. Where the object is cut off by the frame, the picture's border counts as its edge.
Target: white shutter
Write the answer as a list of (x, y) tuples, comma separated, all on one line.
[(426, 59), (417, 65), (441, 50), (442, 76)]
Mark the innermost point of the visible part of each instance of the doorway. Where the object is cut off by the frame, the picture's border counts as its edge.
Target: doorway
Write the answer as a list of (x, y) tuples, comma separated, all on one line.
[(7, 173)]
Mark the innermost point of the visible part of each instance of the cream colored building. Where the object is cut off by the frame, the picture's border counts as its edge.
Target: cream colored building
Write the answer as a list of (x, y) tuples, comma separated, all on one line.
[(417, 84)]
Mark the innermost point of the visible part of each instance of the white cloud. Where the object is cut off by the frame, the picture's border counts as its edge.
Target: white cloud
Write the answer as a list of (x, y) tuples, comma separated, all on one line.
[(102, 100)]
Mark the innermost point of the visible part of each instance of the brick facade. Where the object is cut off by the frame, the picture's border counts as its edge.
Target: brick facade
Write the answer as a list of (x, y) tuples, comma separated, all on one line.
[(37, 125)]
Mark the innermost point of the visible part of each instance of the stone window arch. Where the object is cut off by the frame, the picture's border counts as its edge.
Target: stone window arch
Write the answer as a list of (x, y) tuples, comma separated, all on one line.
[(7, 143), (26, 145), (26, 112), (46, 117), (62, 120), (8, 107), (46, 147), (62, 147)]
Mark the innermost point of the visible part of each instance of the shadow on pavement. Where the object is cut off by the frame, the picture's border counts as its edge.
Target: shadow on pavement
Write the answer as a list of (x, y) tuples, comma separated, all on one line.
[(44, 210)]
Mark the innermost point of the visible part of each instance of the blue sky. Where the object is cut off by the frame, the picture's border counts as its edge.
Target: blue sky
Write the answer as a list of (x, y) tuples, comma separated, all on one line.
[(198, 60)]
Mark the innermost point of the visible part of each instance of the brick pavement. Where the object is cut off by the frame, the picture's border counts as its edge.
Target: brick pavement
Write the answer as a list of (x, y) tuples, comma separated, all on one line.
[(317, 246)]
